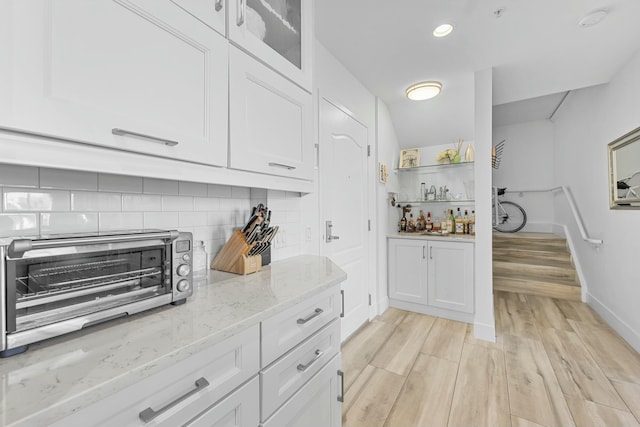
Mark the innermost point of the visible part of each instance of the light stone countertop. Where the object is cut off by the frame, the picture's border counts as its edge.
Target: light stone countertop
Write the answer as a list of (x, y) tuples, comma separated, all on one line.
[(433, 236), (62, 375)]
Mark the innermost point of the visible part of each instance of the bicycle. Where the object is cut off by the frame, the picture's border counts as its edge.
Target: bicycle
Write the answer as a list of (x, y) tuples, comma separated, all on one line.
[(508, 217)]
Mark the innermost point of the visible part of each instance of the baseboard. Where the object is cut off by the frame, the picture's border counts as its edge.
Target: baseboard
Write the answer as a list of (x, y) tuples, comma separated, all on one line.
[(620, 326), (383, 304), (484, 332)]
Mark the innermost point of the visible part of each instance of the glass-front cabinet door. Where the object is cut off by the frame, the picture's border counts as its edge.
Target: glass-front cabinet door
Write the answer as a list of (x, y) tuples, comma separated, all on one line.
[(276, 31)]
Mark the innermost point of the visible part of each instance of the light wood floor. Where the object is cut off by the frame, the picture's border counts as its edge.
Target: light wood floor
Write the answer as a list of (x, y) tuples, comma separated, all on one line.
[(555, 363)]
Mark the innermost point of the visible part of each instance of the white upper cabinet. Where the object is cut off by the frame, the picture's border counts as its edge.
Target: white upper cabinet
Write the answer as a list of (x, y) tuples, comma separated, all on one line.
[(211, 12), (271, 121), (279, 32), (135, 75)]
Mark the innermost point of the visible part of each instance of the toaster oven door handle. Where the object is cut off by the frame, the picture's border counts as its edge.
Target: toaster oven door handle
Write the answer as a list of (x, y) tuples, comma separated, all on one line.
[(149, 414), (18, 247)]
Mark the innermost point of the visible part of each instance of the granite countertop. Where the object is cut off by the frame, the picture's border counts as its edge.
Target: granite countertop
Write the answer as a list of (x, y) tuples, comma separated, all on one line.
[(62, 375), (433, 236)]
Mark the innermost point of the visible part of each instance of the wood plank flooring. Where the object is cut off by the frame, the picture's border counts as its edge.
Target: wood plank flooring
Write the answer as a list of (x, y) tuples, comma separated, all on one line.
[(555, 363)]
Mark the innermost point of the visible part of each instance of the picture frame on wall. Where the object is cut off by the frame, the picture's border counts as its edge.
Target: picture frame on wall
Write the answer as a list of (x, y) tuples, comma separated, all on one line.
[(410, 158)]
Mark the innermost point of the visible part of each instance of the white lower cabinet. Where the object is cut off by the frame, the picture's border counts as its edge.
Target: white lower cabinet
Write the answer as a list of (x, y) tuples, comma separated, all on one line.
[(240, 409), (270, 120), (434, 277), (316, 404)]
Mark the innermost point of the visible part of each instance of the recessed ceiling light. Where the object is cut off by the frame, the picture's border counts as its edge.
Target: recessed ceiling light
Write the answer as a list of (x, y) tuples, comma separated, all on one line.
[(593, 18), (423, 90), (443, 30)]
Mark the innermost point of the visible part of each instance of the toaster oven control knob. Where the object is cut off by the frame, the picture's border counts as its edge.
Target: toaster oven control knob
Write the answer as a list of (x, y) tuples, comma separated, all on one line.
[(186, 257), (183, 270), (183, 285)]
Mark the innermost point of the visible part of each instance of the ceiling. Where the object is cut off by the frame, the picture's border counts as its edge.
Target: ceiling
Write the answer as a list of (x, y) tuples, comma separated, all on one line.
[(536, 48)]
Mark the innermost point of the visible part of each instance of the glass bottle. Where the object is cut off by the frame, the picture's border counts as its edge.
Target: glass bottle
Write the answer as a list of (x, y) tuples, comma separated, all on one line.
[(200, 267)]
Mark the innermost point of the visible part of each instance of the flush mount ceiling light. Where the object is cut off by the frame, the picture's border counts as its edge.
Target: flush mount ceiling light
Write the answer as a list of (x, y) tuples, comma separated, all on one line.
[(423, 90), (593, 18), (443, 30)]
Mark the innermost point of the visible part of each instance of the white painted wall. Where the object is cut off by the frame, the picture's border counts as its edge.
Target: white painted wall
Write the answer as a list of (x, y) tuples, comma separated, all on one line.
[(528, 163), (587, 122), (484, 322), (388, 150)]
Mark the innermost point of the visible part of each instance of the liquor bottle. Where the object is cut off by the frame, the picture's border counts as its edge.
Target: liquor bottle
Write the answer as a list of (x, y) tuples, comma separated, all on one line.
[(452, 222), (429, 224), (472, 223), (411, 225), (465, 221), (459, 223), (403, 223), (445, 227)]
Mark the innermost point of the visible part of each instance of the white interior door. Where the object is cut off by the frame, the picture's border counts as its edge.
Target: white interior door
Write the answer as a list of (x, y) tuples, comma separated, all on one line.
[(343, 201)]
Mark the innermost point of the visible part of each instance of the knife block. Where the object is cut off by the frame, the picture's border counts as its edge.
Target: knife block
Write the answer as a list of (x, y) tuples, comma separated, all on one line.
[(233, 258)]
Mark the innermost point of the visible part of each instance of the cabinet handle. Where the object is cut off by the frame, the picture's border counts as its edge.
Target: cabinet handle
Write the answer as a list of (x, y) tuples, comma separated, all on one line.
[(430, 252), (218, 5), (342, 295), (281, 165), (122, 132), (149, 414), (240, 13), (303, 368), (423, 255), (316, 313), (341, 375)]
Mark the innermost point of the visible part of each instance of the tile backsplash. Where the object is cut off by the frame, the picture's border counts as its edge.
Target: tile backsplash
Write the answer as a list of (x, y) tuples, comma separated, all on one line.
[(50, 201)]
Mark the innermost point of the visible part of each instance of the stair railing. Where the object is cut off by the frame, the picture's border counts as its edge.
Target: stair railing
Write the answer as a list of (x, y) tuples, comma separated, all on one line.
[(574, 211)]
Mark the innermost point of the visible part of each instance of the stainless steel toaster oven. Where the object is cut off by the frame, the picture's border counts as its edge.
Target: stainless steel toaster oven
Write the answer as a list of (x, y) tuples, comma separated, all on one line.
[(59, 284)]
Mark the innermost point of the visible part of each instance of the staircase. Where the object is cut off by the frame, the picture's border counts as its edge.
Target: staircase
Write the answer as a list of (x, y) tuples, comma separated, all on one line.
[(534, 264)]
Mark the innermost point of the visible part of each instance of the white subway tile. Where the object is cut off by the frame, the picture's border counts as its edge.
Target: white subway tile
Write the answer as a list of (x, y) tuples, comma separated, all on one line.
[(292, 217), (206, 204), (121, 221), (23, 199), (177, 203), (240, 193), (292, 195), (13, 225), (161, 220), (68, 179), (205, 233), (119, 183), (258, 195), (192, 219), (57, 222), (192, 189), (160, 186), (214, 190), (89, 201), (141, 202), (18, 176)]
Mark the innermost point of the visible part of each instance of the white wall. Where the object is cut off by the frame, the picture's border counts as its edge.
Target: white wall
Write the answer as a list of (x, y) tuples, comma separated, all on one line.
[(388, 150), (587, 122), (527, 163)]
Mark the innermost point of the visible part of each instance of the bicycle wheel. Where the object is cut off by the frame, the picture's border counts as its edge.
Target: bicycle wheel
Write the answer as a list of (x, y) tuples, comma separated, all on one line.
[(511, 217)]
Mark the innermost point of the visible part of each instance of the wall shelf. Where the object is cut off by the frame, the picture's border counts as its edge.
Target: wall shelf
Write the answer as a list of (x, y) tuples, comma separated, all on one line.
[(436, 167)]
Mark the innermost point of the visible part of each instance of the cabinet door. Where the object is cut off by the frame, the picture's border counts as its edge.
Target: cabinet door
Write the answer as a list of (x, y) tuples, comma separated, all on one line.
[(240, 409), (316, 404), (135, 75), (210, 12), (408, 270), (276, 31), (271, 121), (451, 275)]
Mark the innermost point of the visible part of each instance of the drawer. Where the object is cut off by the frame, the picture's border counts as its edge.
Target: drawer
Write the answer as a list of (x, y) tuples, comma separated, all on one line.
[(281, 380), (285, 330), (317, 404), (240, 409), (175, 395)]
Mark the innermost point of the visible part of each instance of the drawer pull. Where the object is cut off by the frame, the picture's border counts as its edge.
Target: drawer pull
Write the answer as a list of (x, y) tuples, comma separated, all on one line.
[(281, 165), (218, 6), (241, 8), (316, 313), (341, 375), (303, 368), (122, 132), (149, 414)]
